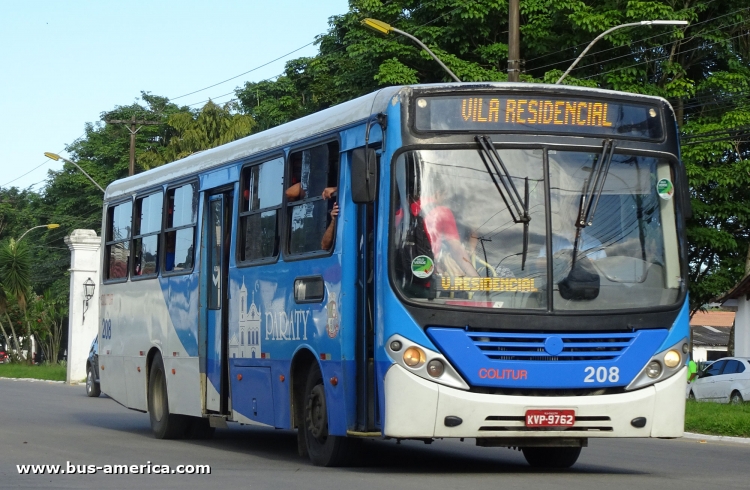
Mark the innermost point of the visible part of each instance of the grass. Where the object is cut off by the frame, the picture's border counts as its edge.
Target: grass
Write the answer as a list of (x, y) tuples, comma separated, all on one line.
[(718, 419), (52, 372)]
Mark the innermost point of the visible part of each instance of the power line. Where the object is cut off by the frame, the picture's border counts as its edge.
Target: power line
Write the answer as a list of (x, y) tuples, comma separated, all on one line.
[(335, 51), (45, 162), (651, 37), (245, 73), (659, 58), (652, 48)]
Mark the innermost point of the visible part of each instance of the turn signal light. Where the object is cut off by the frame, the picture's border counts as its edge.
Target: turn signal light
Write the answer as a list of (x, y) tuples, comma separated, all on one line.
[(414, 357)]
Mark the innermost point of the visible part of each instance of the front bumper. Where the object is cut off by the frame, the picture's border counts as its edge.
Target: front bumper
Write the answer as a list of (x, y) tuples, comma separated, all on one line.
[(417, 408)]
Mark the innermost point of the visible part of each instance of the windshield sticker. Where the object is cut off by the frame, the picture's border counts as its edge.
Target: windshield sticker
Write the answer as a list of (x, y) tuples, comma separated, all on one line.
[(422, 267), (665, 189)]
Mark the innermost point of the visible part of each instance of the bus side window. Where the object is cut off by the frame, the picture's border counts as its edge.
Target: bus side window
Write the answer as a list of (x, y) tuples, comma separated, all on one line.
[(179, 230), (262, 191), (118, 240), (147, 227), (313, 171)]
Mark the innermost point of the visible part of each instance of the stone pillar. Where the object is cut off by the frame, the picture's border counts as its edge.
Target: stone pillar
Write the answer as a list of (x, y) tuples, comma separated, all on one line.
[(82, 328)]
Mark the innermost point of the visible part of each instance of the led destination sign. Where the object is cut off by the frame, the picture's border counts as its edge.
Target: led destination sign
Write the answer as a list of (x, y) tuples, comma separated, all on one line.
[(486, 284), (538, 114)]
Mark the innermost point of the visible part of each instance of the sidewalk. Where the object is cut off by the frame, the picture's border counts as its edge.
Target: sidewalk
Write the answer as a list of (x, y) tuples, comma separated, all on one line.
[(706, 437)]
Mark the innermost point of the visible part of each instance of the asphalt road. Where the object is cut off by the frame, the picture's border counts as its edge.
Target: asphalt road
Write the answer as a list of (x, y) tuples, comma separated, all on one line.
[(48, 423)]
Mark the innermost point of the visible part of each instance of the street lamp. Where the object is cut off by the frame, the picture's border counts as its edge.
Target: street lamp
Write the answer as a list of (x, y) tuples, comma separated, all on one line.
[(385, 29), (50, 226), (641, 23), (88, 292), (56, 157)]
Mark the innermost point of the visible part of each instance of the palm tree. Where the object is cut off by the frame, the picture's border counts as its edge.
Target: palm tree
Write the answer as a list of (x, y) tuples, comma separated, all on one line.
[(15, 283)]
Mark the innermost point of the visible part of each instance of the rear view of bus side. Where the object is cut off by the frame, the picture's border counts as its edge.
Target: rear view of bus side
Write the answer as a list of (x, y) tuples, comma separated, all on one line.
[(500, 262)]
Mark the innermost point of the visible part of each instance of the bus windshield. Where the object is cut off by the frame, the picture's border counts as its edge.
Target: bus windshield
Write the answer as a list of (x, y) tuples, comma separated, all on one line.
[(458, 240)]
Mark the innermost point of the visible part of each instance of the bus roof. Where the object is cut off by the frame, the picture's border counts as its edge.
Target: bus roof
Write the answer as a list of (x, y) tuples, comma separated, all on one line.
[(338, 116)]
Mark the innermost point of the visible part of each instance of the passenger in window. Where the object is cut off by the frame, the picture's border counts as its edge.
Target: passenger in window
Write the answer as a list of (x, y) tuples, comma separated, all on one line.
[(449, 253), (295, 192), (169, 249), (330, 193), (327, 242)]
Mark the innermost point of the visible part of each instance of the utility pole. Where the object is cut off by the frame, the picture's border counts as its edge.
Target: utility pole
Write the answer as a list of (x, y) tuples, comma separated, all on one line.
[(133, 131), (514, 41)]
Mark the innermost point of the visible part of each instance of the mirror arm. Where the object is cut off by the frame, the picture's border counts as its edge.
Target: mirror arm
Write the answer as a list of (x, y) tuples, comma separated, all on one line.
[(381, 119)]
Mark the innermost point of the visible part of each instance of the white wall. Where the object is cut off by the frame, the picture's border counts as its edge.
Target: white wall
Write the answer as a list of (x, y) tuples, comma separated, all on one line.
[(84, 264), (742, 329)]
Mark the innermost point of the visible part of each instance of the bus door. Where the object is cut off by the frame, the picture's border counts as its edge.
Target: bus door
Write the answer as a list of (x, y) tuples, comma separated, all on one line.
[(363, 193), (217, 228), (366, 400)]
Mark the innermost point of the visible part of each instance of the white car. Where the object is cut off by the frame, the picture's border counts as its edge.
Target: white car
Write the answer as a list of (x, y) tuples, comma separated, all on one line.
[(725, 381)]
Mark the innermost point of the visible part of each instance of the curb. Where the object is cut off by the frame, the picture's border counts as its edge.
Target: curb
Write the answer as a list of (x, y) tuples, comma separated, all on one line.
[(33, 380), (706, 437)]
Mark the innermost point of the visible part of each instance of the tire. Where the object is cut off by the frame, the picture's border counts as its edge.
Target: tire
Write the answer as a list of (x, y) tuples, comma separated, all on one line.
[(164, 425), (92, 387), (736, 398), (322, 448), (691, 395), (551, 457)]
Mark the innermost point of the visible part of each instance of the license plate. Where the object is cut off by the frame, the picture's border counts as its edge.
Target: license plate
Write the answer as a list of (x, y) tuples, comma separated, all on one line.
[(550, 418)]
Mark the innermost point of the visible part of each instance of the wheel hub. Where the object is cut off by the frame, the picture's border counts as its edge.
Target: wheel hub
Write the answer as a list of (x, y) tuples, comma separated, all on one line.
[(316, 413)]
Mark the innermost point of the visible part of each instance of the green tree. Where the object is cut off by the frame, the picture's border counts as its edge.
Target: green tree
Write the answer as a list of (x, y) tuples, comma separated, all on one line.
[(702, 69), (193, 131), (47, 319), (15, 283)]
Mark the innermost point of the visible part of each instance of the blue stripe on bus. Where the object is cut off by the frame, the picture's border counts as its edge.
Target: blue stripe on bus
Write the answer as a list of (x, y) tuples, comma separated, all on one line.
[(181, 300), (680, 328)]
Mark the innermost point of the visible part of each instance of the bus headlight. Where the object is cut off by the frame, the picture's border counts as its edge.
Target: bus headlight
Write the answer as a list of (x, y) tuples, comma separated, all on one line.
[(414, 357), (663, 365), (423, 362), (672, 358), (653, 370)]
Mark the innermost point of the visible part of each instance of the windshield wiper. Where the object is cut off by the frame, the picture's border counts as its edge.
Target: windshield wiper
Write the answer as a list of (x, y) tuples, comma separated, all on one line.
[(518, 207), (592, 190)]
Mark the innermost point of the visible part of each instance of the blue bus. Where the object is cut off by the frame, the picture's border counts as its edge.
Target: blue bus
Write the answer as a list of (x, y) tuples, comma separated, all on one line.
[(495, 261)]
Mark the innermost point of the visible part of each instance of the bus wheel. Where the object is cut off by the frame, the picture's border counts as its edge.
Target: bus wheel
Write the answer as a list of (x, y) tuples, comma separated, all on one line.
[(92, 387), (322, 448), (551, 457), (164, 425)]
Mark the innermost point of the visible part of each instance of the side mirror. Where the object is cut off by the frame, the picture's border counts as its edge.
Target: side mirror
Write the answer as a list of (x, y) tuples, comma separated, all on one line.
[(364, 175)]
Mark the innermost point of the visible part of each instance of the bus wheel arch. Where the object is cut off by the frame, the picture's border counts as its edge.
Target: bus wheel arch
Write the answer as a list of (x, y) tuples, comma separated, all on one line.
[(302, 362), (310, 414), (164, 425)]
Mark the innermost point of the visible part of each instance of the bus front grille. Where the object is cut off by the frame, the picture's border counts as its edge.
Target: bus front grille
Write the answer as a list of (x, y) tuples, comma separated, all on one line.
[(506, 346)]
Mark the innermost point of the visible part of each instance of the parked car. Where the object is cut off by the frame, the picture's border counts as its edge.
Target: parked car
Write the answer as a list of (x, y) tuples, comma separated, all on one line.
[(4, 357), (725, 381), (92, 370)]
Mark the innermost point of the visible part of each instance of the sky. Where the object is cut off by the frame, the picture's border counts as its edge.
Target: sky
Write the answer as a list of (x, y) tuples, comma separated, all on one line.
[(63, 63)]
